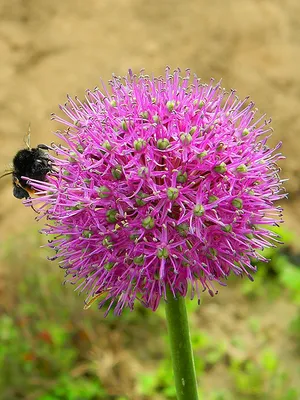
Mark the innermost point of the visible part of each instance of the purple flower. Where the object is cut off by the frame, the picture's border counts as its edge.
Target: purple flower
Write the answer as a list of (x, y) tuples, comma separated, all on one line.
[(160, 182)]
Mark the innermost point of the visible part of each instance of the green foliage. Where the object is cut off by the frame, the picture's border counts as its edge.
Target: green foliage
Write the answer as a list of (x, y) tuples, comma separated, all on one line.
[(262, 378), (67, 389), (278, 275)]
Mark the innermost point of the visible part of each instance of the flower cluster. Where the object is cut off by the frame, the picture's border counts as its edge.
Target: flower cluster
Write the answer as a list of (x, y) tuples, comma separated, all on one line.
[(160, 183)]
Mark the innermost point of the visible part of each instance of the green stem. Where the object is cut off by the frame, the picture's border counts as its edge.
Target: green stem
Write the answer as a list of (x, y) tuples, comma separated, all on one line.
[(181, 348)]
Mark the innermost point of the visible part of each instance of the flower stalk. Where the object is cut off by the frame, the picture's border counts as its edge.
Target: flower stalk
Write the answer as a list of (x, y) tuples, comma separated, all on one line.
[(181, 348)]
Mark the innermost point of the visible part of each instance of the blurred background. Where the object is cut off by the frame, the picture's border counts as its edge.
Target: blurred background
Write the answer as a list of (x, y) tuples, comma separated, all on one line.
[(246, 339)]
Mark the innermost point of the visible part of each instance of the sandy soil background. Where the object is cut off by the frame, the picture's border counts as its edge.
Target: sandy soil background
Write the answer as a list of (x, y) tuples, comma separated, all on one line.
[(50, 48)]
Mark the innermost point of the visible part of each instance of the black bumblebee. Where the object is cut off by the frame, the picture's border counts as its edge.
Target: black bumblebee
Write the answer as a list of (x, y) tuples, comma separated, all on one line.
[(33, 163)]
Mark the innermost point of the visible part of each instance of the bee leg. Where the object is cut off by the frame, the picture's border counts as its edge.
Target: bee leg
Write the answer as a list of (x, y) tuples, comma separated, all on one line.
[(34, 209), (43, 147)]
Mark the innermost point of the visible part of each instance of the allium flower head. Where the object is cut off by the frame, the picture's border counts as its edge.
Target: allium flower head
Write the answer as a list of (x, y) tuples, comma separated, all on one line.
[(161, 182)]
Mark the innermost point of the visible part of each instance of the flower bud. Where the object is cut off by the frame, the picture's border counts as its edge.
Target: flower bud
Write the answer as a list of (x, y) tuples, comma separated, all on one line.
[(199, 210), (139, 260), (87, 234), (237, 203), (111, 216), (212, 199), (148, 222), (185, 138), (103, 192), (183, 229), (139, 144), (202, 154), (139, 199), (163, 253), (107, 242), (117, 172), (162, 144), (144, 114), (172, 193), (221, 168), (124, 125), (227, 228), (79, 148), (170, 105), (181, 177), (108, 266), (106, 145)]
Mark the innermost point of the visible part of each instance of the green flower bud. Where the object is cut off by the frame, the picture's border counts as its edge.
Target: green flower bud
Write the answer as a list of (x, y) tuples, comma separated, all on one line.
[(103, 192), (245, 132), (162, 144), (199, 103), (221, 168), (192, 130), (124, 125), (79, 148), (172, 193), (162, 253), (237, 203), (220, 147), (242, 169), (139, 199), (213, 252), (78, 206), (181, 177), (155, 118), (144, 114), (107, 145), (117, 172), (133, 236), (199, 210), (111, 216), (202, 154), (212, 199), (186, 263), (227, 228), (170, 105), (148, 222), (113, 103), (139, 260), (139, 144), (183, 229), (108, 266), (143, 172), (107, 242), (185, 138), (72, 158), (87, 234)]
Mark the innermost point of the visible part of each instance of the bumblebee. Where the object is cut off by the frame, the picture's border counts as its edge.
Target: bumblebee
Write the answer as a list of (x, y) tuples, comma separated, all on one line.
[(32, 163)]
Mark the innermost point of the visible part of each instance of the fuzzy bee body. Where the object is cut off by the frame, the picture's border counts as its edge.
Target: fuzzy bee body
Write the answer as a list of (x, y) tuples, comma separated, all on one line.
[(32, 163)]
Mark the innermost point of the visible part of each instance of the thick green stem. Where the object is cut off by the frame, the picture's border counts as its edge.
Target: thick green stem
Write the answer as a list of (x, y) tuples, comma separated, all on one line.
[(181, 348)]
